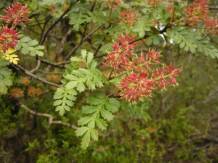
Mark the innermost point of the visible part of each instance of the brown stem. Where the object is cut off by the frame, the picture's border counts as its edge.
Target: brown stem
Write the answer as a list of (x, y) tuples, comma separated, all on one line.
[(27, 72), (51, 118), (81, 42)]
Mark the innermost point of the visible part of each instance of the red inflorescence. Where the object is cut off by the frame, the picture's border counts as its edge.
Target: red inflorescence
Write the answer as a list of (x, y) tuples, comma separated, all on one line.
[(211, 24), (197, 12), (121, 53), (165, 76), (170, 9), (145, 72), (153, 55), (114, 3), (135, 86), (128, 16), (138, 85), (143, 62), (8, 38), (16, 14)]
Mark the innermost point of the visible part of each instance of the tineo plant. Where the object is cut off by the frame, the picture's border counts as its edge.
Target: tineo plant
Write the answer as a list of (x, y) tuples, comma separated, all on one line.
[(117, 56)]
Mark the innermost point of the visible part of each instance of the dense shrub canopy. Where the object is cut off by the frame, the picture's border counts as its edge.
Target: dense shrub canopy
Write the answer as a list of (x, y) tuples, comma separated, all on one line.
[(108, 81)]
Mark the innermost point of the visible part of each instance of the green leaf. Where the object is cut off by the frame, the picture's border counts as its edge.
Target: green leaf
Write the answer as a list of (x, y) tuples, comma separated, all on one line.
[(88, 109), (101, 124), (6, 78), (97, 113), (64, 99), (106, 115), (192, 41), (84, 120), (71, 85), (78, 18), (77, 80), (86, 139), (81, 131), (90, 58), (141, 27), (30, 47), (94, 134), (113, 105)]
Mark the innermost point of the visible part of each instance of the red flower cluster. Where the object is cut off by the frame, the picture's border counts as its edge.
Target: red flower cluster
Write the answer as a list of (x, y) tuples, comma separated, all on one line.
[(135, 86), (211, 24), (114, 3), (140, 63), (141, 84), (128, 16), (122, 51), (15, 14), (165, 76), (145, 73), (197, 12), (8, 38), (170, 9)]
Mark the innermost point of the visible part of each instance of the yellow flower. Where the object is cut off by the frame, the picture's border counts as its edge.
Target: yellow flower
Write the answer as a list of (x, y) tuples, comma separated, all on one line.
[(10, 56)]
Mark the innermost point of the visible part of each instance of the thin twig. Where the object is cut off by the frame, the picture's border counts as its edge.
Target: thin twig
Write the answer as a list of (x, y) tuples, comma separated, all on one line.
[(27, 72), (47, 19), (60, 65), (55, 23), (63, 40), (45, 35), (37, 65), (51, 118), (81, 42), (38, 23), (40, 42)]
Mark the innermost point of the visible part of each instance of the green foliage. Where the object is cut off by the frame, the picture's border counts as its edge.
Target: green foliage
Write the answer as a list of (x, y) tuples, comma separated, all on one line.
[(50, 2), (83, 78), (97, 113), (186, 39), (141, 27), (171, 126), (6, 77), (7, 126), (64, 99), (78, 16), (77, 80), (47, 158), (174, 128), (193, 41), (138, 111), (31, 47)]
